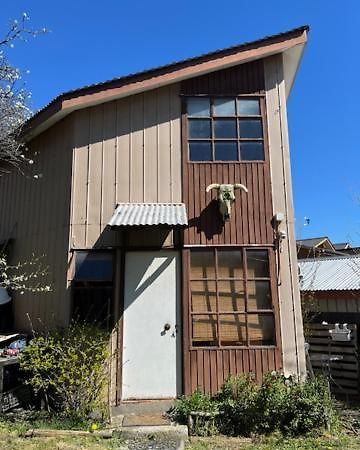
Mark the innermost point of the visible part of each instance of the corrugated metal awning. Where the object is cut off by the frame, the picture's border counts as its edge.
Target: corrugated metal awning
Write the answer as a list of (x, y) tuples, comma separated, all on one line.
[(330, 274), (130, 214)]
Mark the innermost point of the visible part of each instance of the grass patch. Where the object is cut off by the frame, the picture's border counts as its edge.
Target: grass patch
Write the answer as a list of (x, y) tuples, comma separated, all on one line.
[(276, 442), (22, 421), (12, 438)]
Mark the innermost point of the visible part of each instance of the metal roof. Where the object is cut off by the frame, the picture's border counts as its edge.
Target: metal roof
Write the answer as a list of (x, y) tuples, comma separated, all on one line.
[(130, 214), (330, 274), (132, 77), (342, 246)]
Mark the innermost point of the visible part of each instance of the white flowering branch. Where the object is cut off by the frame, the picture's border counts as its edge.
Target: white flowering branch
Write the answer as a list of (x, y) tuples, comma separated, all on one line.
[(24, 276), (14, 98)]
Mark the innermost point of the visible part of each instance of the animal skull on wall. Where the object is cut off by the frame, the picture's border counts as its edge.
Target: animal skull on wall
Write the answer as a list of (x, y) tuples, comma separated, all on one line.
[(226, 197)]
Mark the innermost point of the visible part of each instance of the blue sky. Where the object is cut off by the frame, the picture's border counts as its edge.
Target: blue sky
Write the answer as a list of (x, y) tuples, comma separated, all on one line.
[(96, 41)]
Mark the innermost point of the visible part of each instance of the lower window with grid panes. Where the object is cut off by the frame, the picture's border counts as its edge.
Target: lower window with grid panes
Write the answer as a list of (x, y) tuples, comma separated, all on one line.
[(231, 302)]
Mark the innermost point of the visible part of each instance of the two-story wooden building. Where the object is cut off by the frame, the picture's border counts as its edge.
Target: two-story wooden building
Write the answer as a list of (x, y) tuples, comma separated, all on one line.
[(135, 241)]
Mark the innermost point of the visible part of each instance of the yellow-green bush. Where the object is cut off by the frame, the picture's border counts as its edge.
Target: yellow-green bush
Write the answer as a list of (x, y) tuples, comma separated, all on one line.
[(68, 368)]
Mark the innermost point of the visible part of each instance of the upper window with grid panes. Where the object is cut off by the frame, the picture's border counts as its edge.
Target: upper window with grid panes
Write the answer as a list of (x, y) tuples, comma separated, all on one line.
[(225, 129)]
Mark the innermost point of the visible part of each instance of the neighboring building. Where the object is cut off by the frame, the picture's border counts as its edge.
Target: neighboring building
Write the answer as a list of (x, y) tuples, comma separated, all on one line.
[(134, 239), (332, 286), (323, 247), (341, 246), (315, 247)]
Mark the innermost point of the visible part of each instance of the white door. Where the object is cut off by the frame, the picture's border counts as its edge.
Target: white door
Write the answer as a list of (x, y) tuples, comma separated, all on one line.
[(152, 342)]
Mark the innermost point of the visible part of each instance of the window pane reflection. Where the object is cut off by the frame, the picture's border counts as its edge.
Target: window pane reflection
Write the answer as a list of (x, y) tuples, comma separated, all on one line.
[(199, 128), (248, 107), (225, 128), (224, 107), (251, 151), (198, 106), (200, 151), (226, 151), (250, 129)]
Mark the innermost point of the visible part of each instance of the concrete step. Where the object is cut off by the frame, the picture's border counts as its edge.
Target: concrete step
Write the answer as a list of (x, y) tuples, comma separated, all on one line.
[(134, 420), (142, 407)]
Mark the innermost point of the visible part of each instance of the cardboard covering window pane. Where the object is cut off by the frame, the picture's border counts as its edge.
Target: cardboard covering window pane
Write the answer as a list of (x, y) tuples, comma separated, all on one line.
[(230, 264), (233, 329), (202, 264), (259, 295), (231, 295), (257, 263), (203, 296), (204, 329)]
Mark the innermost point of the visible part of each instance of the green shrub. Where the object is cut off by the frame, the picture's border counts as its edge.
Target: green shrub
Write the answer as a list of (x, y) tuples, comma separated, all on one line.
[(237, 401), (199, 402), (309, 406), (69, 369), (242, 407), (272, 402)]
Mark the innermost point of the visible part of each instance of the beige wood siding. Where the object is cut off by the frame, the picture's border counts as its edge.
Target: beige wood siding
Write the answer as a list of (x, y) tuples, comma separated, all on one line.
[(37, 218), (288, 288), (127, 150)]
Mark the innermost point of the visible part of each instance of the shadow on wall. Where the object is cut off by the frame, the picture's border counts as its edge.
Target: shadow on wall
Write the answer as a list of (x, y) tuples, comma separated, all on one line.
[(157, 237), (209, 222)]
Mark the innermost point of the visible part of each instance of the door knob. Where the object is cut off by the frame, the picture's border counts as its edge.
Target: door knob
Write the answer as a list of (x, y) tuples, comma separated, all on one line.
[(167, 327)]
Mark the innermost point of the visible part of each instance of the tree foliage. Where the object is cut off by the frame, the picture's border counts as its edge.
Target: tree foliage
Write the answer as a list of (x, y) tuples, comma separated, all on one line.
[(14, 98), (14, 111), (24, 276)]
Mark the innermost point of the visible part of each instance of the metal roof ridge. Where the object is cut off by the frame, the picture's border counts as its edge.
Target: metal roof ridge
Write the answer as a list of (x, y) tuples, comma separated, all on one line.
[(328, 258), (172, 66)]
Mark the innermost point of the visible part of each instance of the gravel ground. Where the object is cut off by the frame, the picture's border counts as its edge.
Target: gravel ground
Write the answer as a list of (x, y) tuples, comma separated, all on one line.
[(153, 443)]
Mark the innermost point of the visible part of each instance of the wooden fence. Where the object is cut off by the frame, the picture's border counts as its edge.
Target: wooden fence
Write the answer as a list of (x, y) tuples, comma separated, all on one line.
[(322, 351)]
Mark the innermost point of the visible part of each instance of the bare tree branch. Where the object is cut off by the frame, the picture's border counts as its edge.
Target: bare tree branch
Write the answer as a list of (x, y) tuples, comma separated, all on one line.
[(14, 98)]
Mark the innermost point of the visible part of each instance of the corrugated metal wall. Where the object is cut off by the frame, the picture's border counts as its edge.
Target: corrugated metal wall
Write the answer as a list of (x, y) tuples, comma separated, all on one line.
[(37, 215), (125, 151)]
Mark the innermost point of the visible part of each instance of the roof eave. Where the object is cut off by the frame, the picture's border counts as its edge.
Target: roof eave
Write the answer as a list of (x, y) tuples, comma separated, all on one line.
[(291, 62), (63, 105)]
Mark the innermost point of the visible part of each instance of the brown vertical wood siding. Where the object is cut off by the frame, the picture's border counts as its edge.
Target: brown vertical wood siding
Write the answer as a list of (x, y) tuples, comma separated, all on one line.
[(210, 368), (251, 212), (37, 213), (250, 224), (242, 79)]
